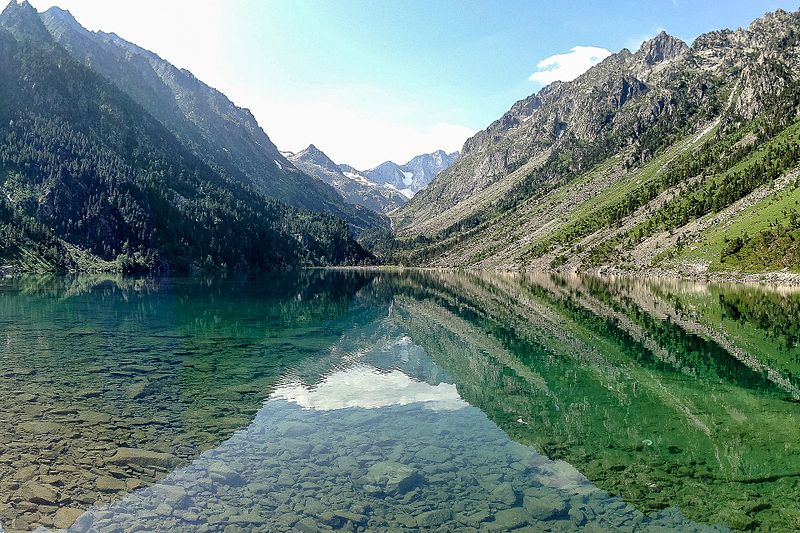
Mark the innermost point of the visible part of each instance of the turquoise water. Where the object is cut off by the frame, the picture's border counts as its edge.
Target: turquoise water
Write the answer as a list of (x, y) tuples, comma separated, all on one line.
[(412, 401)]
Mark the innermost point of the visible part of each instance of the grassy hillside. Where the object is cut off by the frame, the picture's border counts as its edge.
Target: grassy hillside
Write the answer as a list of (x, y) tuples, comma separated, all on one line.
[(694, 171)]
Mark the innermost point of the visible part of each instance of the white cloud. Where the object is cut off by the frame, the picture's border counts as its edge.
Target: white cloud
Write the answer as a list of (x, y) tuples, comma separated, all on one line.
[(566, 67), (360, 126)]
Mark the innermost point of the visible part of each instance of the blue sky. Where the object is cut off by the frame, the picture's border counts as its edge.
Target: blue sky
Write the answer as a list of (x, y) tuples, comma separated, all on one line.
[(368, 81)]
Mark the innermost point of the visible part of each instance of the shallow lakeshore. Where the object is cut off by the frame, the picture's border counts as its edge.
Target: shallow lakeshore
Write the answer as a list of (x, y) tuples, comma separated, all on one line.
[(353, 400), (774, 279)]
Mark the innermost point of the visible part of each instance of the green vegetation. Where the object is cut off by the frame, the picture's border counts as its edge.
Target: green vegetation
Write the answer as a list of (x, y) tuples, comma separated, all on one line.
[(761, 323), (726, 170), (84, 167), (601, 378), (638, 163), (775, 248)]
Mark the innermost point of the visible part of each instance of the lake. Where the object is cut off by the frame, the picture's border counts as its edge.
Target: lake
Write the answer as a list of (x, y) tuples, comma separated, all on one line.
[(402, 401)]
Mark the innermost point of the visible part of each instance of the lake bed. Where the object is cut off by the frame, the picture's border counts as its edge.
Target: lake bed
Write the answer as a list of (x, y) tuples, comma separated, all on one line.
[(366, 400)]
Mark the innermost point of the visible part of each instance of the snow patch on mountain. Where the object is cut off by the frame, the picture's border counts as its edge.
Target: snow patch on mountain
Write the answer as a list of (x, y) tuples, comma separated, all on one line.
[(354, 186), (360, 178), (413, 176)]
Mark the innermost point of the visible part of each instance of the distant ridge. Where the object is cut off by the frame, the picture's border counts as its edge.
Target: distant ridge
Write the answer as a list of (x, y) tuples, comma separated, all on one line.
[(415, 175), (382, 189)]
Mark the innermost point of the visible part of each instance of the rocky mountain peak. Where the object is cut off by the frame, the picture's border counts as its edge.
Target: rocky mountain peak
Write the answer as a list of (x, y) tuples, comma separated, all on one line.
[(16, 5), (23, 21), (314, 155), (774, 29), (414, 175), (354, 186), (64, 17), (312, 152), (779, 16), (313, 149), (662, 47)]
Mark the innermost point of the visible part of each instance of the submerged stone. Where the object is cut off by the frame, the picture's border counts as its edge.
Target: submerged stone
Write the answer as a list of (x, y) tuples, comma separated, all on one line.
[(474, 519), (434, 518), (393, 478), (171, 494), (434, 454), (222, 474), (509, 519), (66, 516), (138, 390), (505, 493), (93, 417), (110, 484), (41, 427), (134, 456), (306, 525), (337, 518), (36, 493), (246, 518), (543, 504), (292, 429)]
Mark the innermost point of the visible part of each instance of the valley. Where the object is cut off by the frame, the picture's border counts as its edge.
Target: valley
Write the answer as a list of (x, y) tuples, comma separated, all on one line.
[(672, 160), (360, 290)]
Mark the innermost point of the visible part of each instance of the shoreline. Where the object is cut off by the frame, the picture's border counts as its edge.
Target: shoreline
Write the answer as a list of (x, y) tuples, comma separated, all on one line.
[(761, 278)]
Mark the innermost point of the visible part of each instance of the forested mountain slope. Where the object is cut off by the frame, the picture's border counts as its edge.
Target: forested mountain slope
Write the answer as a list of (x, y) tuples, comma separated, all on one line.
[(673, 156), (91, 180), (204, 120)]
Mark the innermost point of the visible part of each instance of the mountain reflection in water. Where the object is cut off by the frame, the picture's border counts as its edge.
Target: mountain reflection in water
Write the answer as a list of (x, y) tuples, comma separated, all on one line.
[(408, 453), (348, 400)]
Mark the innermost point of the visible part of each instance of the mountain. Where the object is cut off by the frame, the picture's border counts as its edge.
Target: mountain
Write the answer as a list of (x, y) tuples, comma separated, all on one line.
[(414, 175), (381, 189), (91, 180), (351, 184), (226, 137), (673, 157)]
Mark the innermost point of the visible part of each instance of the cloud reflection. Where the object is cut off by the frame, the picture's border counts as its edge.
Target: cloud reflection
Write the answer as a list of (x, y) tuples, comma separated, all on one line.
[(365, 387)]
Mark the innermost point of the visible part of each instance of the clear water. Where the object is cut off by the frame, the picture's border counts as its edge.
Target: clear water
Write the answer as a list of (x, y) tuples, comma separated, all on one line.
[(365, 401)]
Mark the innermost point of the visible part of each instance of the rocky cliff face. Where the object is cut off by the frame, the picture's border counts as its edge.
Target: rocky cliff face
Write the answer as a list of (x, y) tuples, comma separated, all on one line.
[(226, 136), (21, 20), (607, 128), (580, 110)]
